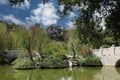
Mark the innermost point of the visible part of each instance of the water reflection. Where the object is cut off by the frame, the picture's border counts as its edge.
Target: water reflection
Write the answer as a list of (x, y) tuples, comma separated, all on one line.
[(108, 73), (81, 73)]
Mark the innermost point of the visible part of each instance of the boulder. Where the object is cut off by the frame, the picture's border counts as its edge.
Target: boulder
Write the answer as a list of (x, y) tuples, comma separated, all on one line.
[(8, 56)]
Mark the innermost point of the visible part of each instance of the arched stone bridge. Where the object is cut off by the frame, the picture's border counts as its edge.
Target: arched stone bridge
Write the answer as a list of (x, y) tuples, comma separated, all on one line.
[(109, 56)]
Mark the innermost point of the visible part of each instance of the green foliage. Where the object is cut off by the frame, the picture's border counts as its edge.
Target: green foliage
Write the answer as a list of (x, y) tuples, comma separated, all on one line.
[(73, 39), (12, 36), (22, 63), (112, 30), (18, 37), (53, 48), (38, 37), (106, 46), (88, 24), (55, 62), (3, 36), (61, 56), (91, 60), (108, 41)]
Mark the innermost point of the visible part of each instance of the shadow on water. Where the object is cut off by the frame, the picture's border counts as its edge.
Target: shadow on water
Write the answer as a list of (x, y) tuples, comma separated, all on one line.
[(81, 73)]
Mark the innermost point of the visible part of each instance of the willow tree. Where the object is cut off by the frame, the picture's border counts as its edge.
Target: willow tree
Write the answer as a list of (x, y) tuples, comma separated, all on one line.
[(17, 35), (3, 36), (73, 42), (36, 38)]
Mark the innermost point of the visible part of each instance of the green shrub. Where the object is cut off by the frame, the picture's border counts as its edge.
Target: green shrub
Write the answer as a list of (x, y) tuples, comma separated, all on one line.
[(91, 60), (22, 63), (54, 48), (61, 56), (56, 62), (106, 46)]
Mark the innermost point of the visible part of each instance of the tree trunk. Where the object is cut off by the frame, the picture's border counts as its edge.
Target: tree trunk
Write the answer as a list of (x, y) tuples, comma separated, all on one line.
[(74, 52), (30, 50)]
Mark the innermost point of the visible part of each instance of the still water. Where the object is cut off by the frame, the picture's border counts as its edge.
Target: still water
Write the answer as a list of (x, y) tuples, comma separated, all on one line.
[(81, 73)]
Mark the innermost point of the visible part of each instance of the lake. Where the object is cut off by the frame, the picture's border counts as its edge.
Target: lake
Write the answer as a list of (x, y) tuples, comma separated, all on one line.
[(78, 73)]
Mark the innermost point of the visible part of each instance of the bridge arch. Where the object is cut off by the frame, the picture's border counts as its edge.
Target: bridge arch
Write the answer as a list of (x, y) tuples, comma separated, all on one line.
[(108, 56), (117, 63)]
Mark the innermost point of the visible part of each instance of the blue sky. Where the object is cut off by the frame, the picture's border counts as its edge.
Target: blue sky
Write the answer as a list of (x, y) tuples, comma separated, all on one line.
[(34, 11)]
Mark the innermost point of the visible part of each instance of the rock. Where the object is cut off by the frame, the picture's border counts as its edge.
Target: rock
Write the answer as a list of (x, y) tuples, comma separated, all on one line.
[(38, 65), (8, 56)]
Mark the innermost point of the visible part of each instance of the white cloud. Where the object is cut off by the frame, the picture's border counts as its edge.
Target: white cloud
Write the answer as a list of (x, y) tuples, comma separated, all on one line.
[(102, 23), (70, 25), (61, 8), (72, 14), (45, 14), (25, 5), (11, 18), (4, 1)]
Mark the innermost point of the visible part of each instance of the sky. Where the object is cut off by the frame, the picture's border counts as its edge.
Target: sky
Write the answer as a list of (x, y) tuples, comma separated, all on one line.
[(34, 11)]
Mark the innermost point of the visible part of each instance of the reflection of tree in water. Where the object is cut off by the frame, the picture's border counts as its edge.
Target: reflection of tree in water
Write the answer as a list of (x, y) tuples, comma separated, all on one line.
[(24, 75), (118, 70), (88, 73), (82, 73), (47, 74), (6, 73), (57, 74)]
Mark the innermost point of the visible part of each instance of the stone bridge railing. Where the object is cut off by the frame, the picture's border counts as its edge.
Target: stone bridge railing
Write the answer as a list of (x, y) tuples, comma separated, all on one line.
[(108, 56)]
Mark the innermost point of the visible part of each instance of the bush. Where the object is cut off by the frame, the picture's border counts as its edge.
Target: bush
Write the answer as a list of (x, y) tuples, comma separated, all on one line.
[(22, 63), (106, 46), (54, 48), (91, 60), (56, 62), (61, 56)]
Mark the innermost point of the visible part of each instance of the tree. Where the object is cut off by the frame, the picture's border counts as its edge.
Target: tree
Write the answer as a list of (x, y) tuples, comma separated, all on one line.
[(19, 2), (73, 42), (39, 37), (36, 39), (3, 36), (16, 2), (56, 33), (17, 37), (88, 25), (113, 26)]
